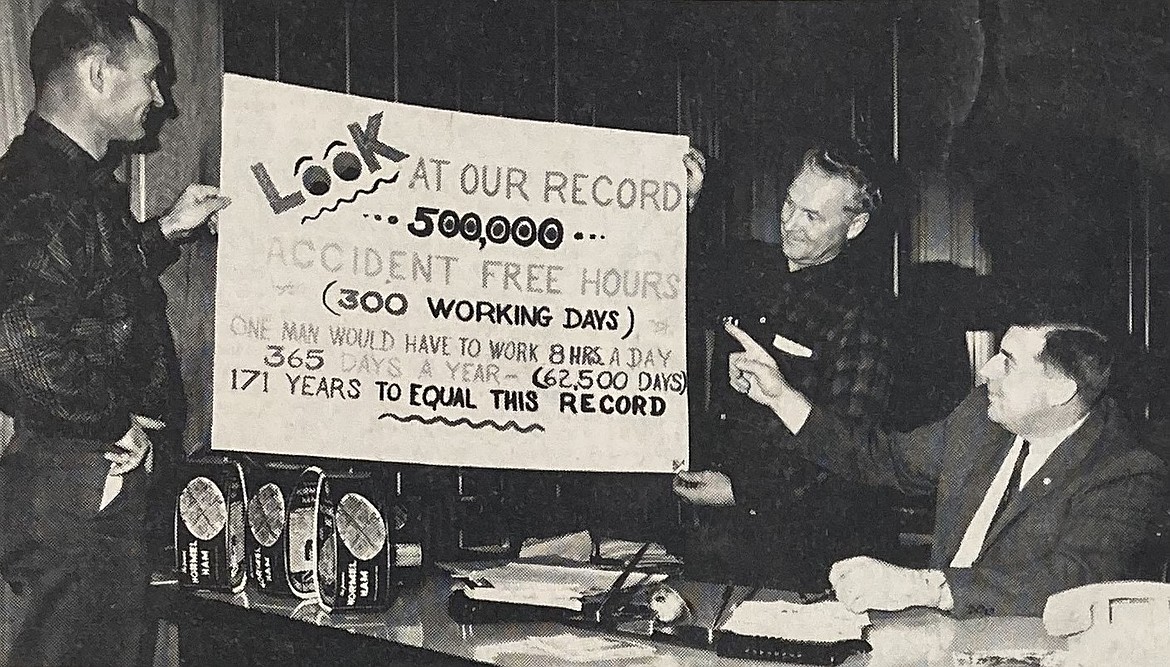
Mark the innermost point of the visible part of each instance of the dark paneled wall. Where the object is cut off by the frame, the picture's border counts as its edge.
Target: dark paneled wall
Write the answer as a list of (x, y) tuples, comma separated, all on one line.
[(592, 63), (739, 78), (750, 83)]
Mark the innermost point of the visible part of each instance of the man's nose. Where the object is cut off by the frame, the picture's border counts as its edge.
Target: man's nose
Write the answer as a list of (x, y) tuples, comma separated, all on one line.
[(156, 97), (987, 370)]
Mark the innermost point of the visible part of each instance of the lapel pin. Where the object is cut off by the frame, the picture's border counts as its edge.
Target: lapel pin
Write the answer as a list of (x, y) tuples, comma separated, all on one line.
[(1047, 481)]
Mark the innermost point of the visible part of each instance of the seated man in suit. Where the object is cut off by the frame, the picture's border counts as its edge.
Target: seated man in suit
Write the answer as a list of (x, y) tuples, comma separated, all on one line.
[(1039, 485)]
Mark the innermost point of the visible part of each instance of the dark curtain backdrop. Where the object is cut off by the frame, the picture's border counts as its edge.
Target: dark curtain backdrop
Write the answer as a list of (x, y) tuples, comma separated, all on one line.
[(189, 149)]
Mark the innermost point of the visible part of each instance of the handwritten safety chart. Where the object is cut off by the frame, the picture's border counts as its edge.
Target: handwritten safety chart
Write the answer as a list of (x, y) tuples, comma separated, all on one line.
[(400, 283)]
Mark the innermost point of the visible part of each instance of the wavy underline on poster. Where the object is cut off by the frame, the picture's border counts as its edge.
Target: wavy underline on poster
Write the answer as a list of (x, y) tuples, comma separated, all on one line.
[(509, 425), (351, 199)]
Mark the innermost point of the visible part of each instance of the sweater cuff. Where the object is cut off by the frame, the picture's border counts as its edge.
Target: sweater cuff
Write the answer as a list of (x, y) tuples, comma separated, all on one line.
[(108, 430), (160, 252), (817, 428)]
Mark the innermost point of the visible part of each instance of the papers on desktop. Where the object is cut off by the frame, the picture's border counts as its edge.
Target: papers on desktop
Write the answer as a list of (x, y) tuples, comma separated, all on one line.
[(820, 622), (585, 578), (539, 595), (578, 547), (546, 585), (625, 549), (588, 649)]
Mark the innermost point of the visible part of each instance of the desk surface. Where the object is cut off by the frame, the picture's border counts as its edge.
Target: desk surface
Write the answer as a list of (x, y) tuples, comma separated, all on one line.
[(418, 618)]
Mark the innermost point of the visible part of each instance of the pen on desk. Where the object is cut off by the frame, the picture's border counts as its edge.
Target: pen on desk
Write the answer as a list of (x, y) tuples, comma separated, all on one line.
[(621, 580), (728, 591), (751, 594)]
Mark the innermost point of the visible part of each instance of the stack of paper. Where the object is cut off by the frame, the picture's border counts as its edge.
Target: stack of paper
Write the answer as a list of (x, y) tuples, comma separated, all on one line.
[(574, 547), (623, 550), (559, 596), (821, 622), (546, 585), (578, 547)]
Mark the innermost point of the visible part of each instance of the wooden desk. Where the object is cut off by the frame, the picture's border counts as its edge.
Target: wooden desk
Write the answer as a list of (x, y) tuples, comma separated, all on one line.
[(257, 629)]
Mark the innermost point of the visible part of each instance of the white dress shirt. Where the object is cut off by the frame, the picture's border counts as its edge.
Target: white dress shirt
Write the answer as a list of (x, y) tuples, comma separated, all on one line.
[(1040, 448)]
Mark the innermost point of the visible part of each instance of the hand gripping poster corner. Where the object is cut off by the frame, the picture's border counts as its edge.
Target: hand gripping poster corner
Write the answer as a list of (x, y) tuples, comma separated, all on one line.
[(400, 283)]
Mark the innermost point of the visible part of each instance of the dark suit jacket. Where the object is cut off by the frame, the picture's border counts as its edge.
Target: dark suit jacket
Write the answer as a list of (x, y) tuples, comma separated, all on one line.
[(1084, 525)]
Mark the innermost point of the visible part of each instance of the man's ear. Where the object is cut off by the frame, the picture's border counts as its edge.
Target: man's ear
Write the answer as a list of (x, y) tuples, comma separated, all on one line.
[(93, 70), (856, 225)]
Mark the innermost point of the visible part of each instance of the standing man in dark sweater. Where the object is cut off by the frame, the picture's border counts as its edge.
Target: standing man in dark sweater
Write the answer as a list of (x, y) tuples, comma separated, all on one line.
[(87, 363), (789, 519)]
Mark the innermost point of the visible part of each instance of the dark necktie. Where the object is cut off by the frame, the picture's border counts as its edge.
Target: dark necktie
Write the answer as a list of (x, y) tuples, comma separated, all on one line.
[(1013, 483)]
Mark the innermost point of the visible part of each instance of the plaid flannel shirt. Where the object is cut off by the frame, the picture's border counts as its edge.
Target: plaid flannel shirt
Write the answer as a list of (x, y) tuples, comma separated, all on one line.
[(829, 309), (84, 340)]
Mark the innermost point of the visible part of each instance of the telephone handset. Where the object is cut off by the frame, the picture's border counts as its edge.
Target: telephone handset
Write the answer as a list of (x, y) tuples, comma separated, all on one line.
[(1111, 621)]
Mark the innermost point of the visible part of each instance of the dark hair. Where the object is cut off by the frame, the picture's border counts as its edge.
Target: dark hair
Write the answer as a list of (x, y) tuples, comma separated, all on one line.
[(851, 161), (1081, 353), (69, 28)]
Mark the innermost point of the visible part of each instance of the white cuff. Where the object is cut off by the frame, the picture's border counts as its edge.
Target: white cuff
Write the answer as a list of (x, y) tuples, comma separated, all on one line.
[(936, 582)]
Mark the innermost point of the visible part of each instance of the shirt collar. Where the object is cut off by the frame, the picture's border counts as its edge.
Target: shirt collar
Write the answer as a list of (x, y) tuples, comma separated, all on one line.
[(832, 272), (77, 160), (1049, 443)]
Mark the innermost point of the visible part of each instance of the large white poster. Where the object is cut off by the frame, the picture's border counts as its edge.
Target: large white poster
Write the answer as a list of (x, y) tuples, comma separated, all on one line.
[(407, 284)]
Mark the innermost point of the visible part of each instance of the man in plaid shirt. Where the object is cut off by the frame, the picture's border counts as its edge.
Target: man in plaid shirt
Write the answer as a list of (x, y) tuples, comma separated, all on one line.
[(787, 519), (87, 363)]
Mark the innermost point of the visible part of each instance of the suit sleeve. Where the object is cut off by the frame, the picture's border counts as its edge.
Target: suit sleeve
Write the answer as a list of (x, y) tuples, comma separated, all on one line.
[(1105, 526), (910, 462)]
